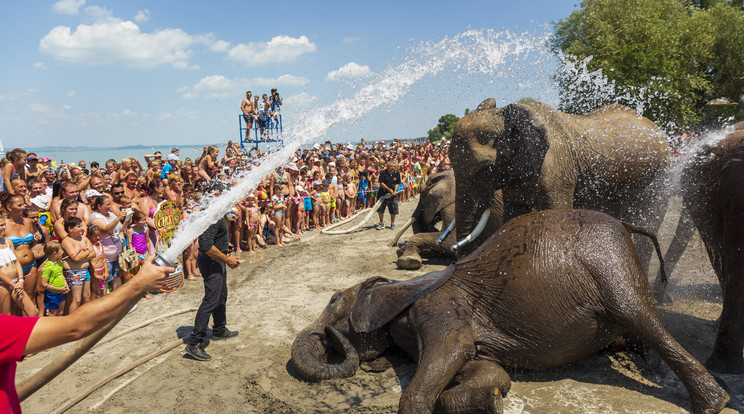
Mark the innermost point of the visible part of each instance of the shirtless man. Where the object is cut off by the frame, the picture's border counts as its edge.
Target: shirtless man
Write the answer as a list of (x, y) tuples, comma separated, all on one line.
[(79, 253), (20, 188), (69, 190), (117, 191), (249, 113)]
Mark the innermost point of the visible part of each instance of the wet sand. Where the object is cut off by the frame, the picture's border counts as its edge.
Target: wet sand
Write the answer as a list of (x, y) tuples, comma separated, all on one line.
[(278, 291)]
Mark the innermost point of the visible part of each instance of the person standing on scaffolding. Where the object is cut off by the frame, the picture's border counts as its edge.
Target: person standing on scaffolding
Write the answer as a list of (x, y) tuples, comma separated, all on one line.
[(276, 103), (249, 113), (264, 114)]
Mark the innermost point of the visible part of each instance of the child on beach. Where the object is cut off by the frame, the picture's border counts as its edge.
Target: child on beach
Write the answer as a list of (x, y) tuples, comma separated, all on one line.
[(79, 253), (137, 234), (98, 263), (362, 191), (280, 208), (325, 203), (252, 216), (52, 280)]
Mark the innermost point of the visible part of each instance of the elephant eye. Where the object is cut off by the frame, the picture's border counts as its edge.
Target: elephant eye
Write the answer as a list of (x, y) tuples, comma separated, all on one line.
[(335, 297)]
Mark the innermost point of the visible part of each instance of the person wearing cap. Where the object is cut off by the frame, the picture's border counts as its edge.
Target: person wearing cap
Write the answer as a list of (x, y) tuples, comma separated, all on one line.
[(32, 166), (389, 181), (170, 166)]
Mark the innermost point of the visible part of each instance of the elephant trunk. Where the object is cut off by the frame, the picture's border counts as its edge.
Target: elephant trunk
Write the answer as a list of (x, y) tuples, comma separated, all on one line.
[(313, 354), (403, 229)]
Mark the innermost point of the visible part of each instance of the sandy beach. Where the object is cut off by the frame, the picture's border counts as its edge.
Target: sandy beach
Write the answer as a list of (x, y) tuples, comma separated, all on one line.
[(277, 292)]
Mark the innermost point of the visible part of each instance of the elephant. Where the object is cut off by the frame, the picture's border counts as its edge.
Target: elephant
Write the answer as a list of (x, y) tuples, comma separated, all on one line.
[(712, 189), (611, 160), (548, 288), (436, 204)]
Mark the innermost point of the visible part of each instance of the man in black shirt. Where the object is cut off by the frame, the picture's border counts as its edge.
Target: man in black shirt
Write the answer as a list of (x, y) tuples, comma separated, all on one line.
[(212, 259), (389, 180)]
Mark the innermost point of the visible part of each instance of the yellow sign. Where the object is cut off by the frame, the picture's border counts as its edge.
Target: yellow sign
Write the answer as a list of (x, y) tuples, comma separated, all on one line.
[(166, 220)]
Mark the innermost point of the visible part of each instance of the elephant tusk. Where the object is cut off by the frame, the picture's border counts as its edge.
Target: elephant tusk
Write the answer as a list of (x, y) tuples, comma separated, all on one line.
[(403, 229), (446, 231), (476, 231)]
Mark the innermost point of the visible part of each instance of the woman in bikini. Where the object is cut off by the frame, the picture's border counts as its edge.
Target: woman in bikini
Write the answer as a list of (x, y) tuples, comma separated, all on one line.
[(11, 286), (68, 208), (97, 263), (208, 163), (20, 231), (79, 254), (110, 225), (16, 168), (174, 192), (149, 205)]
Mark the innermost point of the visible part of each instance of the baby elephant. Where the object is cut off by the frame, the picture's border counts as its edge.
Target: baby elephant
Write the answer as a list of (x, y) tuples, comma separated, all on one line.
[(548, 288)]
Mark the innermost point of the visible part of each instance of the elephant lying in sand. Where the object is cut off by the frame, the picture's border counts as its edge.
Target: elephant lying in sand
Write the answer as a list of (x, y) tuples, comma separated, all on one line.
[(548, 288), (436, 204), (611, 160), (712, 186)]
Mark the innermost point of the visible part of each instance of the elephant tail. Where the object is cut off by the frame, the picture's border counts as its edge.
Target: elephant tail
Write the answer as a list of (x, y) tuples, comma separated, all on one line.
[(632, 228)]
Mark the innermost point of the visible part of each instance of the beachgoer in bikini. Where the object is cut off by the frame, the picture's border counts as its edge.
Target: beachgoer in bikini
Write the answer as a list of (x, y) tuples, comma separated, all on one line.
[(13, 298), (149, 205), (20, 231), (79, 253), (137, 235), (279, 205), (349, 196), (326, 199), (16, 168), (98, 264), (252, 215), (110, 225), (208, 163)]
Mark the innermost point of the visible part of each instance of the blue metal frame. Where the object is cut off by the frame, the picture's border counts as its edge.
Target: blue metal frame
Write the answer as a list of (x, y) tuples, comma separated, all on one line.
[(273, 132)]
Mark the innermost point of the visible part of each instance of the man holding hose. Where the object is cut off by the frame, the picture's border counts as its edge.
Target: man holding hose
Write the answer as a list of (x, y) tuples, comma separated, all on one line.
[(22, 336)]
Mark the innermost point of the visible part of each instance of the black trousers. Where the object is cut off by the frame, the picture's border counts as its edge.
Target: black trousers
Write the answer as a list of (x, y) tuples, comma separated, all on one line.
[(214, 274)]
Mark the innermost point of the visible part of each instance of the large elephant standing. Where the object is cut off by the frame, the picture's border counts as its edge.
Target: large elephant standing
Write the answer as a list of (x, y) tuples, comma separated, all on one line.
[(611, 160), (712, 187), (436, 205), (547, 289)]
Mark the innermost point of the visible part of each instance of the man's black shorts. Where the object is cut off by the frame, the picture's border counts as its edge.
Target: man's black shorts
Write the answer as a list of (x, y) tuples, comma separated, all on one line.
[(391, 203)]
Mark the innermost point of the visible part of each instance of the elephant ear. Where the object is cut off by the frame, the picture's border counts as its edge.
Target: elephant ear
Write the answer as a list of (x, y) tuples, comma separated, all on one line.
[(530, 128), (378, 303), (487, 104)]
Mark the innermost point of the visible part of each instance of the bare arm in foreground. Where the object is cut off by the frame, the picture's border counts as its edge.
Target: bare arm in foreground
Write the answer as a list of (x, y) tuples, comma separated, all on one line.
[(50, 332)]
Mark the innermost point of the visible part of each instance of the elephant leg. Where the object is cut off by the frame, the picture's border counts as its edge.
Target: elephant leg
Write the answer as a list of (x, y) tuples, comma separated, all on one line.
[(446, 344), (727, 351), (424, 244), (628, 300), (481, 387), (682, 236)]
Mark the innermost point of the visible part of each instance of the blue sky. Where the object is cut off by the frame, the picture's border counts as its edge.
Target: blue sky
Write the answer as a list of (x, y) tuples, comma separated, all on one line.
[(85, 72)]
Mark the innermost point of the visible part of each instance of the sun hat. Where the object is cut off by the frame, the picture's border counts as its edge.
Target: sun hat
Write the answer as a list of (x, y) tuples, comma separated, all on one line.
[(331, 164), (292, 166), (299, 189), (31, 157), (316, 182), (92, 193), (173, 157), (72, 165), (326, 182)]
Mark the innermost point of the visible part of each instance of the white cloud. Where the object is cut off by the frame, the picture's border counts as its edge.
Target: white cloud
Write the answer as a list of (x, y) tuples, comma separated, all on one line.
[(214, 82), (181, 114), (40, 65), (277, 50), (283, 80), (99, 13), (118, 42), (350, 70), (350, 40), (142, 16), (39, 107), (301, 99), (128, 112), (68, 6), (70, 94), (218, 86), (66, 107), (219, 46)]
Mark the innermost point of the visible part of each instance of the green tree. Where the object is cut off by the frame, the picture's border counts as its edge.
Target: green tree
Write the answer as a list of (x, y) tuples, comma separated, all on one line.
[(726, 66), (653, 51), (445, 127)]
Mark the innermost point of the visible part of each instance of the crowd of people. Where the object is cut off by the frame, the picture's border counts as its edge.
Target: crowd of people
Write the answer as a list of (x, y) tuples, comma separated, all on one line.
[(679, 144), (64, 228)]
